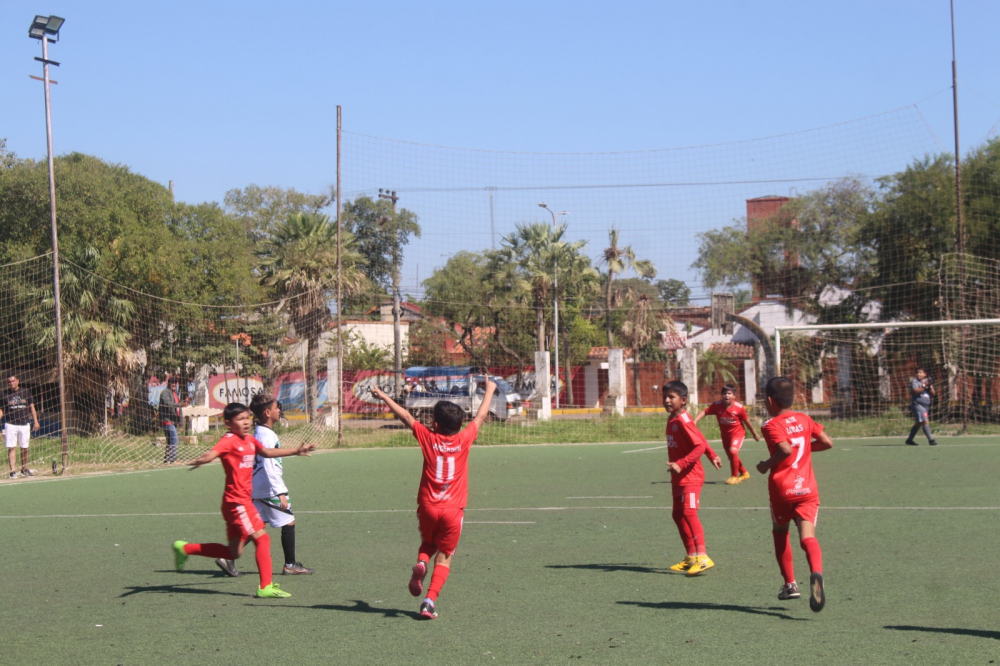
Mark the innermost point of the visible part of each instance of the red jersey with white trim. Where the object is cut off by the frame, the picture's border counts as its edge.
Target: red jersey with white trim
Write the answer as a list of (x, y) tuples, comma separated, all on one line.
[(685, 445), (237, 455), (792, 480), (445, 479), (730, 418)]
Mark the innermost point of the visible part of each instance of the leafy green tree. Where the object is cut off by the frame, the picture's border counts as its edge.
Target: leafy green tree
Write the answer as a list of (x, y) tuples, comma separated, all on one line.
[(382, 235), (618, 260), (460, 293), (674, 293), (641, 325), (261, 210), (712, 364), (427, 343)]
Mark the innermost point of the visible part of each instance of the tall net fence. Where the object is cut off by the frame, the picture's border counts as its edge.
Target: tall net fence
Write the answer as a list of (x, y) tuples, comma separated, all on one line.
[(850, 223)]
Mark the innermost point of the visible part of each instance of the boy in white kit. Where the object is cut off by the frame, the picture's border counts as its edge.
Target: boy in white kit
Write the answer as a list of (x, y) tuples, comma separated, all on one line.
[(270, 495)]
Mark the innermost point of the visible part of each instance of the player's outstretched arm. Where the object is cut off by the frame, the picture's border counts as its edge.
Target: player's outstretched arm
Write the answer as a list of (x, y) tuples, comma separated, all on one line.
[(399, 412), (822, 442), (204, 459), (783, 450), (303, 450), (753, 431), (484, 407), (700, 416)]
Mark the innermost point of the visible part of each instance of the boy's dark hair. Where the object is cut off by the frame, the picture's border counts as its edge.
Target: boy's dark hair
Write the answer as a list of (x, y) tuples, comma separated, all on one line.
[(680, 388), (233, 410), (781, 390), (259, 404), (730, 388), (919, 368), (448, 417)]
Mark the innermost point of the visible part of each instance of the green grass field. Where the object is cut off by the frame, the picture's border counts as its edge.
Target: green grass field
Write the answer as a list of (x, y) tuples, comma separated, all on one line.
[(564, 557)]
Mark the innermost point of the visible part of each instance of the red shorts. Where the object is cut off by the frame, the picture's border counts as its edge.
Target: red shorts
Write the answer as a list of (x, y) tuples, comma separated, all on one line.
[(242, 520), (733, 443), (783, 512), (689, 497), (441, 526)]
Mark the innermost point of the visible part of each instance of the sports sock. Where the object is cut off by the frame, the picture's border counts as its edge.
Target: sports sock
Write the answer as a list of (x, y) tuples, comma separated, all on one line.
[(913, 432), (687, 536), (783, 553), (262, 545), (288, 542), (426, 552), (927, 431), (813, 554), (212, 550), (438, 578), (697, 533), (734, 462)]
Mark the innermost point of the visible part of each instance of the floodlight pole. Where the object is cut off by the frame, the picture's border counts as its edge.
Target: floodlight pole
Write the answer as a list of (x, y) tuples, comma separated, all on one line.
[(555, 302), (397, 336), (55, 246), (960, 230)]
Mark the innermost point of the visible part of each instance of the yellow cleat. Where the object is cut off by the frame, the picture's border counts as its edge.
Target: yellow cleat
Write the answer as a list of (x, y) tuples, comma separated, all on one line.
[(743, 477), (685, 565), (733, 480), (703, 564)]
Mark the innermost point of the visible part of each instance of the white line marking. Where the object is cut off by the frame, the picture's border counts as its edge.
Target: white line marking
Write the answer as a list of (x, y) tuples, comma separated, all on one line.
[(644, 450), (615, 497)]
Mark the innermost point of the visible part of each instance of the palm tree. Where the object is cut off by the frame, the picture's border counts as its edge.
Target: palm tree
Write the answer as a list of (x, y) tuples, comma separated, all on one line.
[(712, 364), (299, 262), (641, 324), (619, 260)]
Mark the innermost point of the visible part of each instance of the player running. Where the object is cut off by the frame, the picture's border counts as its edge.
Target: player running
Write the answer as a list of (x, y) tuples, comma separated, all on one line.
[(791, 439), (732, 417), (685, 445), (444, 487), (237, 449)]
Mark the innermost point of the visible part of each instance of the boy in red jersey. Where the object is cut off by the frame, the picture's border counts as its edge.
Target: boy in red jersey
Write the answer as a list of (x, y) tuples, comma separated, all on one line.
[(732, 418), (237, 449), (444, 487), (791, 439), (685, 445)]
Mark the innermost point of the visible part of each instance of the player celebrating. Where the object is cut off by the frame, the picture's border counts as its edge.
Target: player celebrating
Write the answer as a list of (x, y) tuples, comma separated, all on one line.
[(237, 449), (685, 444), (732, 417), (270, 494), (791, 438), (444, 487)]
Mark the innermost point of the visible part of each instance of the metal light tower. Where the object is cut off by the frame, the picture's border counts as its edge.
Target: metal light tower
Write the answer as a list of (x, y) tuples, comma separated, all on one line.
[(555, 291), (46, 29), (396, 297)]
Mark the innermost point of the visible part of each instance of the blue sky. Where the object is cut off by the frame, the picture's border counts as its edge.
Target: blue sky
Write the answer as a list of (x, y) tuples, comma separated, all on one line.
[(217, 95)]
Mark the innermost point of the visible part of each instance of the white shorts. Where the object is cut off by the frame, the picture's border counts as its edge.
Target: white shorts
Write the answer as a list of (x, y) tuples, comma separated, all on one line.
[(272, 513), (17, 434)]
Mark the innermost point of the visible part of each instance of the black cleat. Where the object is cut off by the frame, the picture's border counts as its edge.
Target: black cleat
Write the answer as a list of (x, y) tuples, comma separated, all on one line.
[(817, 594), (427, 611), (228, 567)]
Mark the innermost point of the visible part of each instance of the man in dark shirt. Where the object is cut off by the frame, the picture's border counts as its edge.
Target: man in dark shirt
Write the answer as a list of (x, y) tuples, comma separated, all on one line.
[(19, 408), (170, 418)]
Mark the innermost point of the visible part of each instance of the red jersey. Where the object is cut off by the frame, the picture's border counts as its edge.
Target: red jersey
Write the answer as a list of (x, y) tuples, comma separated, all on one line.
[(445, 479), (730, 418), (792, 480), (685, 444), (237, 455)]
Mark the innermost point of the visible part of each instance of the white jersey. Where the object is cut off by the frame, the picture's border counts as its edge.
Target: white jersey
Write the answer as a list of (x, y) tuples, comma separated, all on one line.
[(267, 474)]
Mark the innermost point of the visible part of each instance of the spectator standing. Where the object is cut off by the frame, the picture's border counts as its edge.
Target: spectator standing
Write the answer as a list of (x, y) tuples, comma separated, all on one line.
[(19, 408), (921, 391), (170, 418)]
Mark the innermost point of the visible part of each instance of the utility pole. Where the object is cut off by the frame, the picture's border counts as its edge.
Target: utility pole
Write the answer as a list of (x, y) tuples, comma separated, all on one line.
[(397, 341)]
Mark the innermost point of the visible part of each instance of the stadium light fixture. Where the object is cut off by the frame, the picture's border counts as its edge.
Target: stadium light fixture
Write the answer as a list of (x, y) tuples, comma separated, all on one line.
[(46, 26), (555, 291)]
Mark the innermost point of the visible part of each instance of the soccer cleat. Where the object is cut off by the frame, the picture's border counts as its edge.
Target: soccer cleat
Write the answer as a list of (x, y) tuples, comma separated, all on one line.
[(427, 611), (272, 591), (790, 591), (180, 557), (228, 567), (933, 442), (685, 564), (295, 569), (744, 476), (817, 593), (14, 475), (417, 579), (910, 442), (28, 472), (703, 563), (732, 481)]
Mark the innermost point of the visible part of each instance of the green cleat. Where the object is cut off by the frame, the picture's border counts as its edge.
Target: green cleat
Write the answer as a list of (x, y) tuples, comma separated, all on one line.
[(272, 591), (180, 557)]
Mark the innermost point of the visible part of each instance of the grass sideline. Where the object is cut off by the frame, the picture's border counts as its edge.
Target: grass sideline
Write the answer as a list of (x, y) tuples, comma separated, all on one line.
[(564, 556)]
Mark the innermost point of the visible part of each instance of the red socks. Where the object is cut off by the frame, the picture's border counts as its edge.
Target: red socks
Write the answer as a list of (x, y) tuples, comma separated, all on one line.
[(813, 554), (783, 553), (426, 552), (438, 579), (262, 548), (697, 533), (212, 550)]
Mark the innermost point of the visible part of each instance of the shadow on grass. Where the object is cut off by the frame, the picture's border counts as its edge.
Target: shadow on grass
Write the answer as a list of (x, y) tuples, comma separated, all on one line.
[(359, 606), (979, 633), (611, 568), (770, 611), (177, 589)]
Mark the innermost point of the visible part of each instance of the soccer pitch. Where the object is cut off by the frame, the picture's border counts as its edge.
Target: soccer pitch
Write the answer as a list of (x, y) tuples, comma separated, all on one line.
[(564, 556)]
